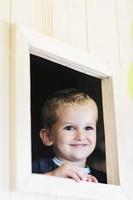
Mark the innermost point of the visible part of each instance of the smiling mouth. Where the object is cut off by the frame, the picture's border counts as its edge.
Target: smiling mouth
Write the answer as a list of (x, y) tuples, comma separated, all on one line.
[(78, 145)]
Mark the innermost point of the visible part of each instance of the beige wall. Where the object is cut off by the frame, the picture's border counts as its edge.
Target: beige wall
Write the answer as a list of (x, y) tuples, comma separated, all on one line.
[(102, 28), (4, 96)]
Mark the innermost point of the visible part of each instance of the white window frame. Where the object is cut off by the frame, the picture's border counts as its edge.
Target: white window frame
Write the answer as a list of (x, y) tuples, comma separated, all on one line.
[(24, 42)]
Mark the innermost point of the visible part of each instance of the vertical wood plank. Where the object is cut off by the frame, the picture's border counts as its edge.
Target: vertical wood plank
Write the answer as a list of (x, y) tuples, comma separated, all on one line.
[(77, 24), (60, 20), (69, 22), (34, 14), (110, 132), (122, 97), (4, 98), (103, 34)]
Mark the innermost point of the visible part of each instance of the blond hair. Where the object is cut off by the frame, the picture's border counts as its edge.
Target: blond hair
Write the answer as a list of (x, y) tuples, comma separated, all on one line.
[(65, 97)]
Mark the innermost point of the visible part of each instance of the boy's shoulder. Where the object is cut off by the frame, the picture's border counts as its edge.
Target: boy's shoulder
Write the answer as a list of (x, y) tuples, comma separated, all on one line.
[(100, 175), (43, 165)]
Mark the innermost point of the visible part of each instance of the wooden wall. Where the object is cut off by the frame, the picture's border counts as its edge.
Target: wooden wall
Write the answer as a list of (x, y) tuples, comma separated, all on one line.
[(102, 28), (4, 97)]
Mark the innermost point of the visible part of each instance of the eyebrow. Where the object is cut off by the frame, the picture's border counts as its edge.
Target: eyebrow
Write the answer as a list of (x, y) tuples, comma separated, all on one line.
[(72, 123), (65, 123)]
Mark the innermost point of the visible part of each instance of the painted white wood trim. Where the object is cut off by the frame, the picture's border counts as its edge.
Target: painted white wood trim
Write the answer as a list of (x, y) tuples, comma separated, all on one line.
[(64, 54), (23, 43)]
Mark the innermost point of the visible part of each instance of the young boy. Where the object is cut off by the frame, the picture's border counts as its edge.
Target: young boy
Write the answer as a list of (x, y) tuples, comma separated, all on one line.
[(69, 119)]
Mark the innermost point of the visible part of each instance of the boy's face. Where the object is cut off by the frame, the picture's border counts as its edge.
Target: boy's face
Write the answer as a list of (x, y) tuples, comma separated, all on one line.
[(74, 134)]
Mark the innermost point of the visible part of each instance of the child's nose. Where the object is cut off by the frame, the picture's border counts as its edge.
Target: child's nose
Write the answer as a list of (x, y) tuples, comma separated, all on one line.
[(79, 135)]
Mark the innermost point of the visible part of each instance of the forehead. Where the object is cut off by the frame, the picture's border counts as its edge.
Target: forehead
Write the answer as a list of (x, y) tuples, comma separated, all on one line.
[(77, 111)]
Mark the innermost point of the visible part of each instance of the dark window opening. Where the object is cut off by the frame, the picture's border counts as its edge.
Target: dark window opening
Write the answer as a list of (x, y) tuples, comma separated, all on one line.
[(48, 76)]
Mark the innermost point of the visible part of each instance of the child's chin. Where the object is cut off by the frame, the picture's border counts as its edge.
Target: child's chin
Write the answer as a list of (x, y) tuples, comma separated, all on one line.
[(78, 158)]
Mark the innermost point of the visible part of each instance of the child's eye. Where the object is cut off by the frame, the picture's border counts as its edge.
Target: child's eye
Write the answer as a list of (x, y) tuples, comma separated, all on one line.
[(89, 128), (69, 128)]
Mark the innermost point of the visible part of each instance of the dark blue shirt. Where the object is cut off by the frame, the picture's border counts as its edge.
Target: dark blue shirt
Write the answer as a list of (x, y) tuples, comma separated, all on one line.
[(43, 166)]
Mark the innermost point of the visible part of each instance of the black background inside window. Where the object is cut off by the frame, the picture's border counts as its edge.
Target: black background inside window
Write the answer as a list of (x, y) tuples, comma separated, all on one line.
[(48, 76)]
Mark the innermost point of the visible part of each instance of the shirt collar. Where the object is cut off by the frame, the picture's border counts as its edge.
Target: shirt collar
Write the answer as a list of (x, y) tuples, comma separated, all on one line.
[(60, 162)]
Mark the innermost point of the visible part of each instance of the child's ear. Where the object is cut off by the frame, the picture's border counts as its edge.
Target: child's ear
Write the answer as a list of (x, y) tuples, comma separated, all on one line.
[(45, 137)]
